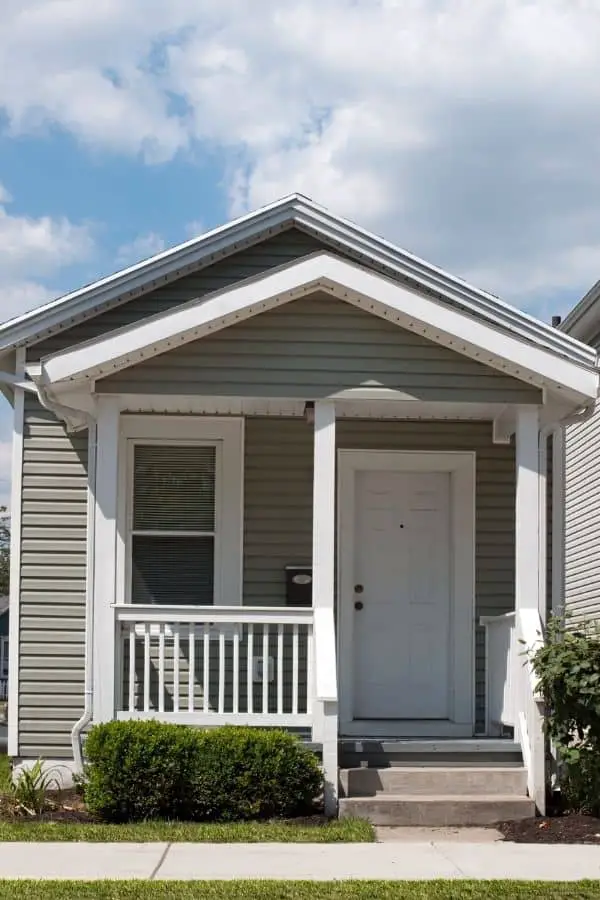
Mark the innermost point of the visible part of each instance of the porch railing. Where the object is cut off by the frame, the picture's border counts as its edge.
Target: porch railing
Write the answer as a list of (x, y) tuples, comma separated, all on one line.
[(216, 665), (512, 695)]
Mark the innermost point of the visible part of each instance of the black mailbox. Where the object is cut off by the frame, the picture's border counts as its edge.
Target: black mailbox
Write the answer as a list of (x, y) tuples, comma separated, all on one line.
[(298, 585)]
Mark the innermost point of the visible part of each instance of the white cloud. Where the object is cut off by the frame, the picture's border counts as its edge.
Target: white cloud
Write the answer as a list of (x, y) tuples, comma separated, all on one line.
[(464, 131), (32, 250), (142, 247)]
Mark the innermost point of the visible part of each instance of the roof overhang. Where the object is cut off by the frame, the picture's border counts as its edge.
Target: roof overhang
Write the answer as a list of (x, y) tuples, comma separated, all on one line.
[(567, 368)]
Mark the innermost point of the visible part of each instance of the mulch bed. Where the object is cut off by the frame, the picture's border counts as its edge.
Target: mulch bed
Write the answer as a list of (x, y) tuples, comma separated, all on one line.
[(565, 829), (65, 806)]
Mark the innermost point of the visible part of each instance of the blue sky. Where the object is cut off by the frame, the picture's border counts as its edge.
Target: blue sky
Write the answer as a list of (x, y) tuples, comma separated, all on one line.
[(467, 133)]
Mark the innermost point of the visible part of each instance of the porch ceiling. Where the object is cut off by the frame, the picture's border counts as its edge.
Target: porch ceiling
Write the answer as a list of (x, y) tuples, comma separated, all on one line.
[(563, 372)]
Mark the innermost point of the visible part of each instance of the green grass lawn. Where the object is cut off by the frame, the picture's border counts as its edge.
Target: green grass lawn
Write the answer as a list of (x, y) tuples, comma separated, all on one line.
[(336, 831), (5, 771), (290, 890)]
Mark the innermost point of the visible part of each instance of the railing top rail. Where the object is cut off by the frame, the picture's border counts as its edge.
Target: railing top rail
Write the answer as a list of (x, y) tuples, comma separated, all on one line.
[(268, 615), (504, 618), (531, 636)]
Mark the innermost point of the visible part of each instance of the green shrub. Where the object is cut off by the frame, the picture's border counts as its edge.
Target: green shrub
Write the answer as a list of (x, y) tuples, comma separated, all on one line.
[(568, 669), (150, 770)]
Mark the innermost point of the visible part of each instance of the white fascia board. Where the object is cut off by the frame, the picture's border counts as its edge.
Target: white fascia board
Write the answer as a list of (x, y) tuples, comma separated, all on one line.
[(409, 309), (369, 247), (139, 278)]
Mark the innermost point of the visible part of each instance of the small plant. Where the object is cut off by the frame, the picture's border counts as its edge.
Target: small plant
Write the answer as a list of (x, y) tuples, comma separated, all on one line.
[(568, 669), (31, 787), (151, 770)]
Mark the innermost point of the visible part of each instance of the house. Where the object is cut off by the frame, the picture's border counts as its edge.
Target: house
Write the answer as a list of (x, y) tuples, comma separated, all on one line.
[(287, 474), (578, 466)]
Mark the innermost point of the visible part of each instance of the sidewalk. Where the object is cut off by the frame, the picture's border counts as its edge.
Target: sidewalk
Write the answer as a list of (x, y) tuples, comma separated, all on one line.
[(319, 862)]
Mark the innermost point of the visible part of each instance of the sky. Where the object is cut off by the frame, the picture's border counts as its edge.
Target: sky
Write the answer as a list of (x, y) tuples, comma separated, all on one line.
[(466, 132)]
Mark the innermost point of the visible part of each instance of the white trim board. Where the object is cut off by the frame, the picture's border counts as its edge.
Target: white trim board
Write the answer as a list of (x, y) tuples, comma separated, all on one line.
[(294, 210), (16, 511), (414, 311), (461, 466)]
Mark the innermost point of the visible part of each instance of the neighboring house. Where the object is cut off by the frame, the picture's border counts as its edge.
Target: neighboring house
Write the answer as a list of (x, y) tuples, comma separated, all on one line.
[(287, 474), (579, 557)]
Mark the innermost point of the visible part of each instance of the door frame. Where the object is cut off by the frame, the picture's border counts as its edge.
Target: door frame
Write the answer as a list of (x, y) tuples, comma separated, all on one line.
[(461, 466)]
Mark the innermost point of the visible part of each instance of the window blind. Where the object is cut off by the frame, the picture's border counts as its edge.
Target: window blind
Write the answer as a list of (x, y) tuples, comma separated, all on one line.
[(173, 534)]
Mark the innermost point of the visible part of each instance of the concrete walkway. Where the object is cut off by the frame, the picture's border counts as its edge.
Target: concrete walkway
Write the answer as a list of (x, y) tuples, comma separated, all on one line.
[(319, 862)]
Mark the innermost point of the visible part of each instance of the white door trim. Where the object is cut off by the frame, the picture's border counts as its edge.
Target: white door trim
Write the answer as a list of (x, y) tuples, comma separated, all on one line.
[(461, 466)]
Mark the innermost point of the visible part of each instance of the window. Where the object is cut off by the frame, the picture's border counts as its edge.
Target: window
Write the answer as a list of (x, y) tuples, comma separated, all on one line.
[(184, 512), (174, 528)]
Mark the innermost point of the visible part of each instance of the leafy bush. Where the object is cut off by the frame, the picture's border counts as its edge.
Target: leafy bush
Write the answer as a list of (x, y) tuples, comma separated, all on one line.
[(568, 669), (150, 770)]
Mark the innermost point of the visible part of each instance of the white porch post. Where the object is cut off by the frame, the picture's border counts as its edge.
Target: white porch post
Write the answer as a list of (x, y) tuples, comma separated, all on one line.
[(529, 595), (325, 709), (527, 518), (105, 562)]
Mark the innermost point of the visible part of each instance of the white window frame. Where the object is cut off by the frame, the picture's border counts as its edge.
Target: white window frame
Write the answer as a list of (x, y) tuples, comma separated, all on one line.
[(227, 435)]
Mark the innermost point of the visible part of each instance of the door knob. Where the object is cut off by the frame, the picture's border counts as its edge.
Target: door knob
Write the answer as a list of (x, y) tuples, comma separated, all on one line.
[(358, 605), (358, 588)]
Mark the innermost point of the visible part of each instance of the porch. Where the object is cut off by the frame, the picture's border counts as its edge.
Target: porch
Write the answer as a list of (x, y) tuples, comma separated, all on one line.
[(290, 488)]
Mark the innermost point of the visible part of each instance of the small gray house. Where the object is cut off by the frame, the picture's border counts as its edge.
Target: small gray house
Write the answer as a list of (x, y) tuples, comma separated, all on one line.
[(288, 475)]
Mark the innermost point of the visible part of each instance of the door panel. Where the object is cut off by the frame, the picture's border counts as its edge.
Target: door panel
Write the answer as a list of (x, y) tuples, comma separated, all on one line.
[(402, 633)]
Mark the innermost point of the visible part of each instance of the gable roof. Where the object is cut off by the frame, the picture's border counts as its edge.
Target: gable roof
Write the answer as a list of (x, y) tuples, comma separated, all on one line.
[(583, 321), (442, 323), (293, 211)]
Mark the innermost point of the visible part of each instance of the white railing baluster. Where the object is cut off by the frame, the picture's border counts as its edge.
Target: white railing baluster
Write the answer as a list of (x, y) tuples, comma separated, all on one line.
[(131, 692), (146, 667), (176, 668), (221, 671), (250, 668), (236, 671), (192, 667), (265, 670), (206, 661), (161, 668), (295, 667), (280, 668), (310, 668)]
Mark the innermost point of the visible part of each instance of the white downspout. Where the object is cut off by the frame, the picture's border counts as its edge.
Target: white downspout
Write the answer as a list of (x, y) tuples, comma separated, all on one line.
[(86, 716)]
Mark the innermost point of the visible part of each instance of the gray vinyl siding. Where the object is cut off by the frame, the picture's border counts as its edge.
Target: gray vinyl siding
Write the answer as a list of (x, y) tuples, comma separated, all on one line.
[(582, 518), (53, 572), (278, 527), (275, 251), (318, 347)]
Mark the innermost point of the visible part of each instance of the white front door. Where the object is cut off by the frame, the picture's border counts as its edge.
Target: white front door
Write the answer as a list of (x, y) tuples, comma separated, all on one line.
[(406, 637), (402, 595)]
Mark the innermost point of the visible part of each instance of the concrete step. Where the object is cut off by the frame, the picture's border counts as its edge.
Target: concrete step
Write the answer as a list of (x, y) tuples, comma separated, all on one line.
[(440, 810), (395, 752), (427, 780)]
